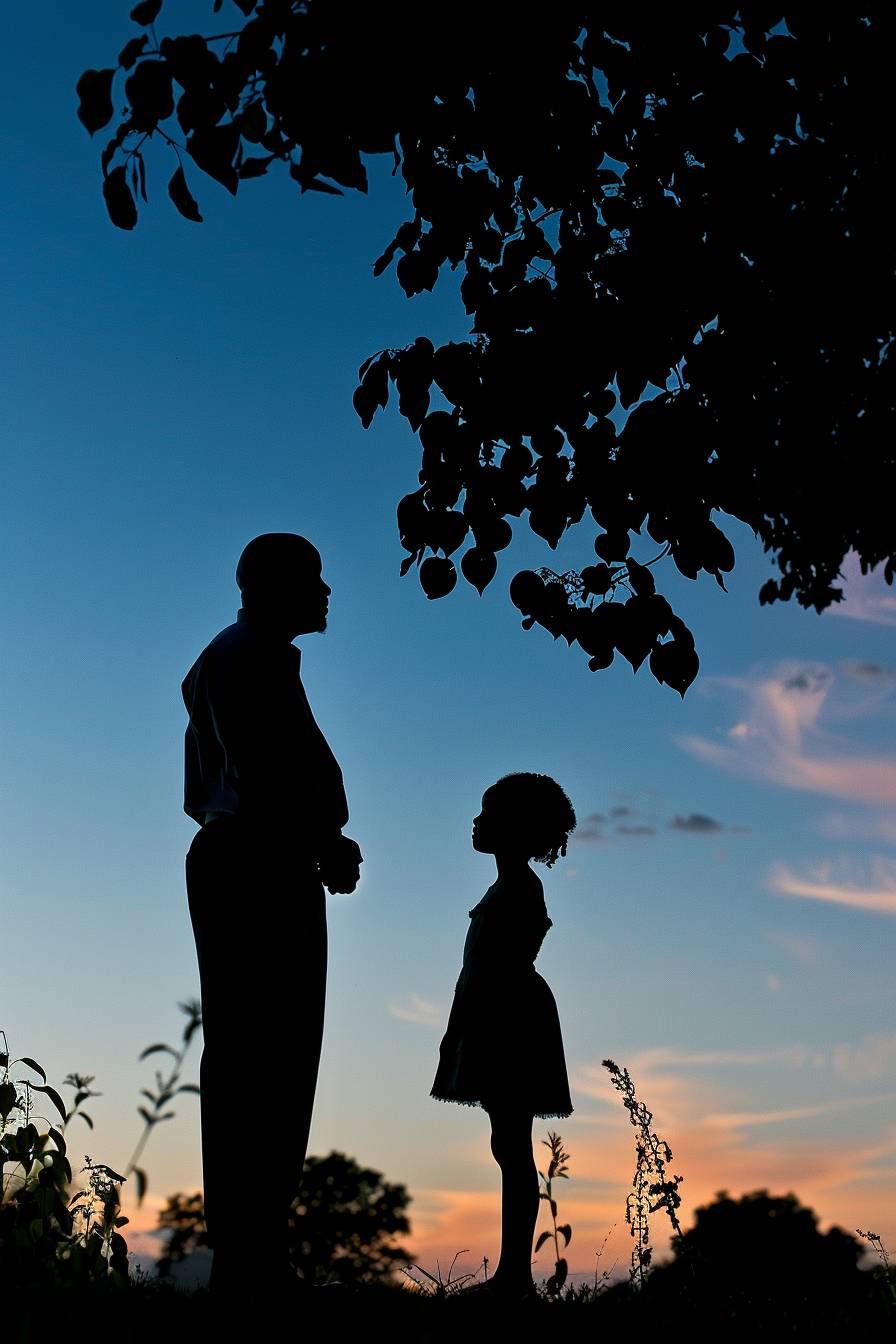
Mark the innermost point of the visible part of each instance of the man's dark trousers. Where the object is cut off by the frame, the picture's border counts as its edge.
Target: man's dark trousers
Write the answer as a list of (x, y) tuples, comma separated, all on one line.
[(259, 920)]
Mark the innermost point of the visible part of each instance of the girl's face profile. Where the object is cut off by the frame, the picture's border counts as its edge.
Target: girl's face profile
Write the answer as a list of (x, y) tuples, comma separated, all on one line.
[(483, 828), (490, 826)]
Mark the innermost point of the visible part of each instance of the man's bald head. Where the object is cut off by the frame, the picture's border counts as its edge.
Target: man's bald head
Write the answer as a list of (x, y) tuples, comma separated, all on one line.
[(279, 576), (267, 558)]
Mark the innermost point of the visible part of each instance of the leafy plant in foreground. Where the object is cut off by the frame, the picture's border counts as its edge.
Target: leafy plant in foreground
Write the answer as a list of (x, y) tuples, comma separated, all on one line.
[(557, 1169), (885, 1271), (166, 1088), (47, 1230), (652, 1188)]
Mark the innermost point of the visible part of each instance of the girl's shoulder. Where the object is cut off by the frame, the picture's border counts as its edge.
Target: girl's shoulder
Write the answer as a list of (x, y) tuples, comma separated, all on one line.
[(523, 888)]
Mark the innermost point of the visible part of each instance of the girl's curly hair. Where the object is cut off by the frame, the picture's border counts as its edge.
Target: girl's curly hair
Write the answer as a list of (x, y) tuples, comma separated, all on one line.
[(539, 808)]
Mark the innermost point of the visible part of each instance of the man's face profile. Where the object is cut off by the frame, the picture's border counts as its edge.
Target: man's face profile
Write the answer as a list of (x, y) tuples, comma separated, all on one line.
[(280, 575)]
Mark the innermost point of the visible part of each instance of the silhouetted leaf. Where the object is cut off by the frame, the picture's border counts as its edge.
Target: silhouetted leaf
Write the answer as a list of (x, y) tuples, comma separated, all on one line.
[(149, 93), (53, 1096), (154, 1050), (542, 1238), (447, 531), (131, 51), (94, 89), (437, 576), (118, 198), (416, 272), (566, 1232), (146, 12), (311, 183), (7, 1099), (180, 195), (640, 578), (597, 579), (383, 261), (141, 1183), (214, 149), (138, 175), (373, 390), (675, 663), (32, 1064), (613, 545), (479, 567), (256, 167)]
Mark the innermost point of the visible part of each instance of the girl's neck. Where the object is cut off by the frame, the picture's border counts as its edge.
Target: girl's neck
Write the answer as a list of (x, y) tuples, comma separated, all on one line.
[(511, 865)]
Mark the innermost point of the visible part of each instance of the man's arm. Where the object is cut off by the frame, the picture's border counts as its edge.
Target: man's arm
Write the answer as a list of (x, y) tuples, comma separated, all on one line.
[(279, 758)]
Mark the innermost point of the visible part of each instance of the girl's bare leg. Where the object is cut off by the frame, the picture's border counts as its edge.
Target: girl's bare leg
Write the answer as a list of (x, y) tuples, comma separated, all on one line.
[(512, 1150)]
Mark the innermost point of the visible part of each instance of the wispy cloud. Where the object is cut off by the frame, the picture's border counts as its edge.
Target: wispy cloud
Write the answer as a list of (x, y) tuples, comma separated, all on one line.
[(872, 1057), (591, 831), (748, 1119), (697, 824), (838, 826), (419, 1011), (600, 827), (796, 1056), (869, 672), (780, 733), (866, 597), (821, 884), (804, 951)]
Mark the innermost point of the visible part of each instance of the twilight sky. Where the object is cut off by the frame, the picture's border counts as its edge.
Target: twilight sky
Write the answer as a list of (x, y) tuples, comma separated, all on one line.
[(723, 924)]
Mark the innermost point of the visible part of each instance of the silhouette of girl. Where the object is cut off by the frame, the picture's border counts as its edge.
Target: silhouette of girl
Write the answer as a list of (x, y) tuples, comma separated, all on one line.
[(502, 1048)]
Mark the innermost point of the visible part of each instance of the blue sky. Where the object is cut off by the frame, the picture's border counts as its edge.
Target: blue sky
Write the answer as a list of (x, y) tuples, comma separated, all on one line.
[(172, 392)]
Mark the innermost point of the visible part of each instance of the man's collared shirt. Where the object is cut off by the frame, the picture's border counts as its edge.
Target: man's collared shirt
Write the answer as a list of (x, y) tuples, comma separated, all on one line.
[(252, 745)]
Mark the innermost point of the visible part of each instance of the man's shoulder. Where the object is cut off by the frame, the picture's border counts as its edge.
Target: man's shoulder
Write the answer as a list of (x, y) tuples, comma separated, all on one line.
[(229, 644)]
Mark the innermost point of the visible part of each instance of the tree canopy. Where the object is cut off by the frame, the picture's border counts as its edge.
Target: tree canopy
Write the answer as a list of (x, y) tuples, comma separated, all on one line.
[(343, 1223), (763, 1256), (675, 254)]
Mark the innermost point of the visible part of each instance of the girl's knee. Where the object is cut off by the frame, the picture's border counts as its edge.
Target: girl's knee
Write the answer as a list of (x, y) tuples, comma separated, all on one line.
[(512, 1145)]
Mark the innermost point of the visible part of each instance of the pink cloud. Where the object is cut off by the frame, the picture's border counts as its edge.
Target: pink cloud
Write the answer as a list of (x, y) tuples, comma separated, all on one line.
[(822, 885), (866, 597), (780, 734)]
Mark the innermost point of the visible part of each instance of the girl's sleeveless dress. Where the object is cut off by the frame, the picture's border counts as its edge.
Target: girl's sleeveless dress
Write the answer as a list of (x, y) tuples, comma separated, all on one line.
[(503, 1044)]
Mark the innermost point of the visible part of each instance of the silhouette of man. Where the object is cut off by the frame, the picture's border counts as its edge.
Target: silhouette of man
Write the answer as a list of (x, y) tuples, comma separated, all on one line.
[(267, 791)]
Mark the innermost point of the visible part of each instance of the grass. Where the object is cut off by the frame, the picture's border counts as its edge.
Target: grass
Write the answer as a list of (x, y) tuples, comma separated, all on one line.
[(148, 1312)]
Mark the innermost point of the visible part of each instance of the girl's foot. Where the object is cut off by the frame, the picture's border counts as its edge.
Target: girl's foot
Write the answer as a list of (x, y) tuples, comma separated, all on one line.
[(507, 1290)]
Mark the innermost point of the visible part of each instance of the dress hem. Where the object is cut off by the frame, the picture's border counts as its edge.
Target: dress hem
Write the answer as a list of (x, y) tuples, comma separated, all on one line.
[(537, 1115)]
